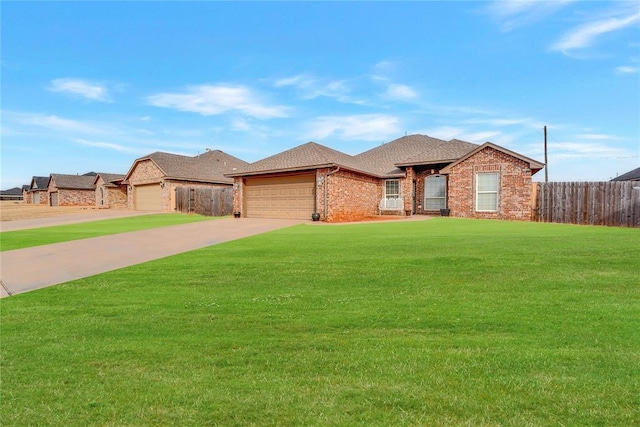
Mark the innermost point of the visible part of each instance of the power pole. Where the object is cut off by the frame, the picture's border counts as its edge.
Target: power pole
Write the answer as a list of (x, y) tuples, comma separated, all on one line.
[(546, 161)]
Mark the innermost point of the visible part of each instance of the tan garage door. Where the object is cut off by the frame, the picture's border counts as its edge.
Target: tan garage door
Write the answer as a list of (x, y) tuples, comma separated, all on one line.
[(282, 197), (148, 197)]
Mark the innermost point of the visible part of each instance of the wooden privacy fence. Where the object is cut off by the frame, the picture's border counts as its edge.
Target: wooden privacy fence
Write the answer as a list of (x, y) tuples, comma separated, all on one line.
[(204, 201), (614, 203)]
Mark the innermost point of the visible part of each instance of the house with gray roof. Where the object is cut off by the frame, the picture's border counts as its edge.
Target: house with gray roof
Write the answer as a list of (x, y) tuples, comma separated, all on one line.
[(110, 191), (633, 175), (152, 180), (15, 194), (36, 193), (71, 190), (414, 174)]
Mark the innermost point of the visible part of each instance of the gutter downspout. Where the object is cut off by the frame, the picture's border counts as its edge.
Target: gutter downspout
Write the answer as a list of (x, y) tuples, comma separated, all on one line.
[(325, 190)]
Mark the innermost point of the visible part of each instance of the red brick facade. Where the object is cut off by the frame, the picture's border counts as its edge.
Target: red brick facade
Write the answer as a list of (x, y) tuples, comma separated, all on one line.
[(70, 197), (514, 186), (108, 196), (343, 195), (350, 196)]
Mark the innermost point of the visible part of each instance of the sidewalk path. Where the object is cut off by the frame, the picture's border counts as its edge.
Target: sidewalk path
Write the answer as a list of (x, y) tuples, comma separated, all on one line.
[(27, 269)]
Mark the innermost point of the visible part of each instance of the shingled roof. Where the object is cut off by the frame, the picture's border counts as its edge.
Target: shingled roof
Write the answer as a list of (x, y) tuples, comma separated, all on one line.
[(383, 161), (411, 150), (39, 183), (73, 182), (633, 175), (303, 157), (110, 179), (210, 166)]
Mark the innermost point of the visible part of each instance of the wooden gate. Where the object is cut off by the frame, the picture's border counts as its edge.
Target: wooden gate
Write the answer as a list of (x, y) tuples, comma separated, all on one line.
[(204, 200)]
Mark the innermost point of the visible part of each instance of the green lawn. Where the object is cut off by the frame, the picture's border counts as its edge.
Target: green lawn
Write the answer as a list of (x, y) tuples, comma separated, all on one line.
[(441, 322), (19, 239)]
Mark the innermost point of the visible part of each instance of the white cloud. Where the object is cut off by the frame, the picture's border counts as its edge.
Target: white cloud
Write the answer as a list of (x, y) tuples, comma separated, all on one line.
[(366, 127), (592, 150), (586, 35), (517, 13), (210, 100), (107, 145), (311, 87), (400, 92), (51, 122), (626, 69), (86, 89)]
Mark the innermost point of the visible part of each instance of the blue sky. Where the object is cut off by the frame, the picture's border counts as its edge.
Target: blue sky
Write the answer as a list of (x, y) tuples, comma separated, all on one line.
[(91, 86)]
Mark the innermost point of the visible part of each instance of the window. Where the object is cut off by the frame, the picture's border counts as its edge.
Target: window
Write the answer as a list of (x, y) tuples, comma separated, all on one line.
[(435, 192), (392, 188), (487, 192)]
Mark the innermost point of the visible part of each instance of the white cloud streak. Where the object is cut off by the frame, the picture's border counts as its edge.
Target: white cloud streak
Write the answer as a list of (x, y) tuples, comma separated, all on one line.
[(366, 127), (518, 13), (586, 35), (89, 90), (209, 100), (107, 145), (400, 92)]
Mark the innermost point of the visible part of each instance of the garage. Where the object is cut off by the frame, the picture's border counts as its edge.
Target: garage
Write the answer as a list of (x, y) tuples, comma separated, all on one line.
[(148, 197), (290, 197)]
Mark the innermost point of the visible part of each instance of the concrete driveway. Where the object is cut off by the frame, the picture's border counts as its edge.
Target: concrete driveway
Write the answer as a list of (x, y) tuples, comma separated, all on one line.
[(27, 269)]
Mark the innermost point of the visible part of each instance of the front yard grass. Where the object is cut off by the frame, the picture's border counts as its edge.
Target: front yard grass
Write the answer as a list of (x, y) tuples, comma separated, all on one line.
[(441, 322), (20, 239)]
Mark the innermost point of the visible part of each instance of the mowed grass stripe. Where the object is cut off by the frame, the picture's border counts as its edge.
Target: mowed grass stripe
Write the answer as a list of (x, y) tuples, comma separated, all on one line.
[(442, 322), (21, 239)]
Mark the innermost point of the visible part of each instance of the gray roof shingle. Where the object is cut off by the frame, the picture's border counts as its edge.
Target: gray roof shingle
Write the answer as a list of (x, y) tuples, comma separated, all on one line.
[(210, 166), (382, 161), (633, 175), (73, 182), (303, 157), (39, 183)]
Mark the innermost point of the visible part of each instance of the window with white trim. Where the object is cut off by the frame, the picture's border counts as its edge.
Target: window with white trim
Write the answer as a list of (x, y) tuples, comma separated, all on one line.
[(392, 188), (435, 192), (487, 192)]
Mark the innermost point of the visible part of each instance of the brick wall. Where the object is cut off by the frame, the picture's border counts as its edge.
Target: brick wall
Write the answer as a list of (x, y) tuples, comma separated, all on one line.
[(238, 195), (514, 195), (145, 172), (76, 197), (350, 196)]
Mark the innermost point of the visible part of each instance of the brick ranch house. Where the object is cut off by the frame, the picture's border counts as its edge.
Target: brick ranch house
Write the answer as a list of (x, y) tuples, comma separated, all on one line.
[(71, 190), (110, 192), (152, 179), (36, 193), (415, 174)]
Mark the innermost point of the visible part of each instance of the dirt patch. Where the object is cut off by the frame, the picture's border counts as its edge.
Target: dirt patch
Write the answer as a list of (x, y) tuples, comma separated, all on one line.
[(13, 211)]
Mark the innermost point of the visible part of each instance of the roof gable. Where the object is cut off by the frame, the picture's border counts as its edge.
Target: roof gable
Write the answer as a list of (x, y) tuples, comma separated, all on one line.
[(210, 166), (411, 150), (39, 183), (534, 165)]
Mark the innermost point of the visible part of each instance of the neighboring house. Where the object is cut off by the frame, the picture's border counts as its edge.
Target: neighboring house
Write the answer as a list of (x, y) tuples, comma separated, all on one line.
[(36, 193), (14, 193), (72, 190), (110, 191), (633, 175), (152, 179), (413, 174)]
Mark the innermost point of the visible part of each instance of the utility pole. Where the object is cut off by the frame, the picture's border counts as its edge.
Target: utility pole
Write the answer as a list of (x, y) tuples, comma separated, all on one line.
[(546, 161)]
